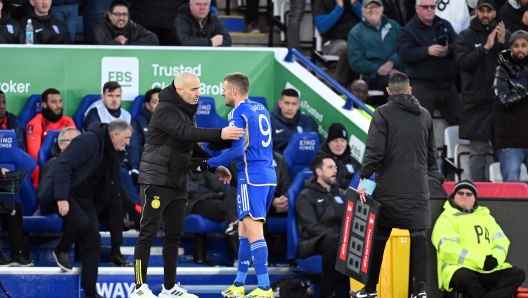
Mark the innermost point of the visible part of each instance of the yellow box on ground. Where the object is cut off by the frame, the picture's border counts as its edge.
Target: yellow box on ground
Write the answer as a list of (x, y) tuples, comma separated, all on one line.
[(394, 275)]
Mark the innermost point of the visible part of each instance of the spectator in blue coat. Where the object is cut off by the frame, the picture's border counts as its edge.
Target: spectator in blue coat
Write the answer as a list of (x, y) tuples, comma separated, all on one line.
[(142, 121), (287, 119)]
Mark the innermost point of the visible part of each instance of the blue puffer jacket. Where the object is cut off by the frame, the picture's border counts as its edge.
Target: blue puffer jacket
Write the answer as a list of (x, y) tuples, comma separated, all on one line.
[(283, 129), (141, 124)]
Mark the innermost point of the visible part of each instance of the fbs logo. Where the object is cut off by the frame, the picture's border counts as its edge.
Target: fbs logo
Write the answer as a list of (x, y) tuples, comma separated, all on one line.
[(357, 147), (125, 71)]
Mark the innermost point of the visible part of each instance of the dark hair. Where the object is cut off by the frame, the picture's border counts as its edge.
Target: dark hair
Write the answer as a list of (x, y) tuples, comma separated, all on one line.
[(239, 80), (317, 162), (111, 86), (148, 95), (117, 3), (398, 83), (290, 92), (48, 92), (2, 92)]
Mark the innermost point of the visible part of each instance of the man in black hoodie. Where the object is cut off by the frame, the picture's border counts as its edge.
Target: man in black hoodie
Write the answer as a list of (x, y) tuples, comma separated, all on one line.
[(9, 121), (320, 207), (46, 28), (115, 28), (476, 51), (171, 142), (400, 149), (10, 30), (78, 185)]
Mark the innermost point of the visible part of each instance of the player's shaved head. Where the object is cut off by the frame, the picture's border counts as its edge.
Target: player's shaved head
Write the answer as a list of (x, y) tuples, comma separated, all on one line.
[(183, 78)]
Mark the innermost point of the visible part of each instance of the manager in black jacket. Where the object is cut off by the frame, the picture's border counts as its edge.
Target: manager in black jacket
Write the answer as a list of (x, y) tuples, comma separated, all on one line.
[(78, 185), (115, 28), (426, 46), (477, 50), (400, 149), (320, 207), (171, 142), (46, 28), (196, 26), (10, 30)]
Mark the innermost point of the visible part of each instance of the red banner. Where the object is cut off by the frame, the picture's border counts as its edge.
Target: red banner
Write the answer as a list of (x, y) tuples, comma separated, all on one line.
[(368, 242), (346, 232)]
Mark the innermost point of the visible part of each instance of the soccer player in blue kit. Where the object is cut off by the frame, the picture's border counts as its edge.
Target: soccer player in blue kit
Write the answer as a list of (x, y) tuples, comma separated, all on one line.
[(256, 182)]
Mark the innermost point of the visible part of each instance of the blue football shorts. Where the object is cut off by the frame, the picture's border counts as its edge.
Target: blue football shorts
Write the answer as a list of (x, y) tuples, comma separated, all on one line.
[(254, 201)]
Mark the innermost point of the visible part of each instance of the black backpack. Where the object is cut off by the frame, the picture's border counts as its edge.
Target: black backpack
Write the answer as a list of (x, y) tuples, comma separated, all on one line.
[(292, 287)]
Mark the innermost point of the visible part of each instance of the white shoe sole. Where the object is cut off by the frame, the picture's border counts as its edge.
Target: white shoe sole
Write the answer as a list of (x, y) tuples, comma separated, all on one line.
[(59, 264)]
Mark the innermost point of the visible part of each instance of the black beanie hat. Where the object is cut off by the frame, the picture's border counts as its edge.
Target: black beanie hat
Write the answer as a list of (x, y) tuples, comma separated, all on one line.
[(466, 184), (337, 130)]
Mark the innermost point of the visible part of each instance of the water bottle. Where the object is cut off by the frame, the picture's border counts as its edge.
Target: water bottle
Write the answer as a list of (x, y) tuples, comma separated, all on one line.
[(29, 32), (440, 162)]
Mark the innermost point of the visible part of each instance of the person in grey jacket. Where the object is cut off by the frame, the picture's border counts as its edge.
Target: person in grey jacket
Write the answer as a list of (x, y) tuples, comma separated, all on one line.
[(400, 149), (196, 26), (115, 28)]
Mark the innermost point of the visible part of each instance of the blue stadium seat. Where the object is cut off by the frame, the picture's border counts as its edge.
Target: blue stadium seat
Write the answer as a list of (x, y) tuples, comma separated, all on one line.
[(200, 226), (313, 263), (45, 149), (14, 158), (78, 116), (137, 105), (32, 107), (259, 99), (300, 151), (207, 115)]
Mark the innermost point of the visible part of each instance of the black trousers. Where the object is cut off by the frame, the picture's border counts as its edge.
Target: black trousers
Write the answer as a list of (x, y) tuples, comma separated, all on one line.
[(164, 206), (215, 210), (331, 278), (498, 284), (14, 225), (446, 102), (112, 216), (419, 254), (81, 224)]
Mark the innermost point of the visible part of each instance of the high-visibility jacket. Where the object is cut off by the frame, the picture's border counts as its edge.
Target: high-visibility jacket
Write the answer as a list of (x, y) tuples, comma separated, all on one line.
[(463, 240)]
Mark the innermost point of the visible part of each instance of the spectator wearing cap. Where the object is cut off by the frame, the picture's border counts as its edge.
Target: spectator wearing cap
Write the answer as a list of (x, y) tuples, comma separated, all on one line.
[(336, 145), (511, 107), (426, 45), (476, 52), (372, 47), (472, 248), (514, 14)]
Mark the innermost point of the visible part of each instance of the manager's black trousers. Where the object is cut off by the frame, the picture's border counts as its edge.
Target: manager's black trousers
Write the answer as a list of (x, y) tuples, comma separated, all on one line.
[(166, 206)]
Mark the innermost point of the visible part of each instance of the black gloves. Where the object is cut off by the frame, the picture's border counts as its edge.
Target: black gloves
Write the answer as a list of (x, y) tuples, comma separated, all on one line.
[(220, 145), (490, 263), (134, 174), (198, 165)]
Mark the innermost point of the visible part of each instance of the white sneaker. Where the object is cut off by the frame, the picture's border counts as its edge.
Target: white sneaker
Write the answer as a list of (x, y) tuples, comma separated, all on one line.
[(143, 292), (176, 291)]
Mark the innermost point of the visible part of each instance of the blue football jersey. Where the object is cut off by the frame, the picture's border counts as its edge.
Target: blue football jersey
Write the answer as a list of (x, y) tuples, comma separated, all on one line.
[(254, 151)]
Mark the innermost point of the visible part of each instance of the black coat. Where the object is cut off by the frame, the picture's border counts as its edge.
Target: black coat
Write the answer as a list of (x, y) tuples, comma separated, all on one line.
[(47, 29), (512, 17), (75, 166), (400, 149), (186, 31), (203, 186), (156, 13), (510, 108), (318, 214), (171, 141), (347, 165), (55, 152), (413, 43), (13, 124), (10, 30), (104, 33), (477, 67), (341, 28)]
